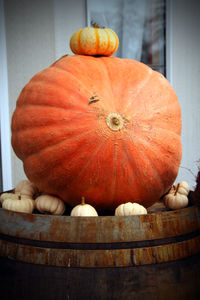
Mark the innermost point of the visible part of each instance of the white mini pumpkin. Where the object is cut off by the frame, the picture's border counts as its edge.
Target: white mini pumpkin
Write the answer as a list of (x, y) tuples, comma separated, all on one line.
[(19, 203), (25, 187), (83, 210), (6, 196), (183, 188), (50, 204), (177, 196), (128, 209)]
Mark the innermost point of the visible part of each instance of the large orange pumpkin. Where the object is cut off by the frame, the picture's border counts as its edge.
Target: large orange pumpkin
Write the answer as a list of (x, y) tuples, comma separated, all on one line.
[(104, 128)]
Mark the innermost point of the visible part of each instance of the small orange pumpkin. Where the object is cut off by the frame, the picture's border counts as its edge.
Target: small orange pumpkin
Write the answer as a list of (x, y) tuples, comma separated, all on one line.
[(94, 41)]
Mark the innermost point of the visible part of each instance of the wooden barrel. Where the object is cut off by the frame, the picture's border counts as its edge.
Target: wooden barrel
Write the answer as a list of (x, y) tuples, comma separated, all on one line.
[(154, 256)]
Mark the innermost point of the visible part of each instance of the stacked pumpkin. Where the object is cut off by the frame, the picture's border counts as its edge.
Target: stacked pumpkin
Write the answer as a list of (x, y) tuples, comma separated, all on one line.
[(104, 127), (26, 197)]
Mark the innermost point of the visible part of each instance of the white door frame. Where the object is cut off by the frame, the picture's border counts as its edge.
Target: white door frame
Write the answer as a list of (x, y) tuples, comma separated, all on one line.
[(4, 107)]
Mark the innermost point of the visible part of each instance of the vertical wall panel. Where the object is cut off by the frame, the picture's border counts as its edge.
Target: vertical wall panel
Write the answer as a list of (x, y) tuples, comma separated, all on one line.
[(69, 16), (5, 149), (30, 47), (186, 81)]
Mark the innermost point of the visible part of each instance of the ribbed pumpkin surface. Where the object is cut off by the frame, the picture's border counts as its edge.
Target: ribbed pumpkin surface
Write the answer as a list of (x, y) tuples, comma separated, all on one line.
[(94, 41), (104, 128)]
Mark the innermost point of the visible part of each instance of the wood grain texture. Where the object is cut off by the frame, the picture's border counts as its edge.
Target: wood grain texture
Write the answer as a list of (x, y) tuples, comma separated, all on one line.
[(154, 256), (105, 241)]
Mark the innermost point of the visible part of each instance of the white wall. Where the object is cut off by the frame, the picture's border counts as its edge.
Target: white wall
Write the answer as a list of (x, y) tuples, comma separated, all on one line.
[(5, 164), (37, 33), (30, 47), (185, 72)]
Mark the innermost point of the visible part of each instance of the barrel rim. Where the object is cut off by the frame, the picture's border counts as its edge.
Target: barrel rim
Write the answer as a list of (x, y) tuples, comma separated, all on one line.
[(102, 229)]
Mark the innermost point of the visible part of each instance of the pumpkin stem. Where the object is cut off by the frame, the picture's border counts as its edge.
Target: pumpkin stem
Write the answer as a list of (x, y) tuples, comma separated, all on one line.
[(94, 24), (82, 200), (176, 191), (115, 121)]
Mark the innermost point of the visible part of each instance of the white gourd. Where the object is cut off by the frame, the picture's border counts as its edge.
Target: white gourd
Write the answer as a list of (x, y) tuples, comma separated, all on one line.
[(7, 195), (83, 210), (50, 204), (183, 188), (19, 203), (177, 196), (25, 187), (128, 209)]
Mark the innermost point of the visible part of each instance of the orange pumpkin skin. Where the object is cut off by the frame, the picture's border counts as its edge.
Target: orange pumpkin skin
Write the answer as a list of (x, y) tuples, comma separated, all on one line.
[(104, 128)]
